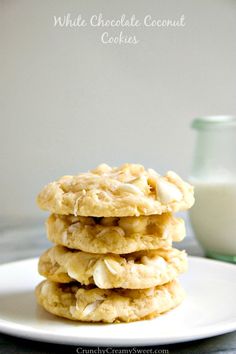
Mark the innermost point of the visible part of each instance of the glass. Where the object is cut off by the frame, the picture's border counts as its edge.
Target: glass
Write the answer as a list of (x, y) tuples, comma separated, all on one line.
[(213, 175)]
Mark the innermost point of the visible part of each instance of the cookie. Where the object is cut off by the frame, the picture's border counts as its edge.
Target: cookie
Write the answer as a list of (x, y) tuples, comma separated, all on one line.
[(115, 235), (97, 305), (140, 270), (128, 190)]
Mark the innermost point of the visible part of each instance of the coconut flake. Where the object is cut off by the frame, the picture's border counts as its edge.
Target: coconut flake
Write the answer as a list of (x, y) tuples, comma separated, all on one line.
[(71, 272), (111, 229), (91, 307), (74, 227), (64, 237), (77, 202), (150, 291), (110, 264), (125, 187), (91, 263), (72, 310), (99, 274), (152, 172)]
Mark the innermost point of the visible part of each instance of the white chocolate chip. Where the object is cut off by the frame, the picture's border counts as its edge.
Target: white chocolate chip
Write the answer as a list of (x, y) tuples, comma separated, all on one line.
[(45, 288), (167, 294), (159, 262), (167, 192), (133, 225), (154, 261), (166, 233)]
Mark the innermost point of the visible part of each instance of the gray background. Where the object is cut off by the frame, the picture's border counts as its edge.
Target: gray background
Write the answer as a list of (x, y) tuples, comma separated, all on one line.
[(70, 102)]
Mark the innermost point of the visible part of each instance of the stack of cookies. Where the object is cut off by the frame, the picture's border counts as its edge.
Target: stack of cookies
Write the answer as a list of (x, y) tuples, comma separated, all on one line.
[(113, 230)]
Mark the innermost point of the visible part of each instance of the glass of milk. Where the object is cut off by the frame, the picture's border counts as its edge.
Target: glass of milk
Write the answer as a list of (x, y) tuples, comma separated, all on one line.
[(213, 216)]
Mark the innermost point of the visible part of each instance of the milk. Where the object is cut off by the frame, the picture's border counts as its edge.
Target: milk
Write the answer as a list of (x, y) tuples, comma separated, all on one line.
[(213, 216)]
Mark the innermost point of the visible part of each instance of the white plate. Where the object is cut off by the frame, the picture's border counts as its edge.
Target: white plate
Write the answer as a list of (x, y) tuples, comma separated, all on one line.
[(209, 310)]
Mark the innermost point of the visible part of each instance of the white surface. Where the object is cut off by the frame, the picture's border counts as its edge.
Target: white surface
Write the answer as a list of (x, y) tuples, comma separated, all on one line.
[(70, 102), (208, 310)]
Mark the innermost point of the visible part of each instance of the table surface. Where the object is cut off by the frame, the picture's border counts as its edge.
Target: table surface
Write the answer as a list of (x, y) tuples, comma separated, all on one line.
[(21, 239)]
